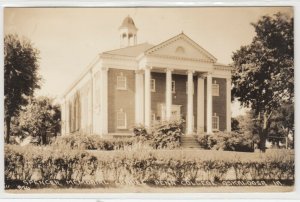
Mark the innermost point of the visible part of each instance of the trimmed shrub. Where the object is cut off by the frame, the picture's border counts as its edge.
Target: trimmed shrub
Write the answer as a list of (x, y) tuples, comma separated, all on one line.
[(135, 167), (92, 142), (165, 135), (227, 141)]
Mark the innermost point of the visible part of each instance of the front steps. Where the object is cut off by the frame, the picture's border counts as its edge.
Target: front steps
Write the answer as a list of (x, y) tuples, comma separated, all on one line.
[(189, 142)]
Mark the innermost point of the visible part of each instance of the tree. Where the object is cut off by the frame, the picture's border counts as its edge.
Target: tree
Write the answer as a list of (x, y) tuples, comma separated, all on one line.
[(282, 124), (264, 70), (21, 64), (40, 118)]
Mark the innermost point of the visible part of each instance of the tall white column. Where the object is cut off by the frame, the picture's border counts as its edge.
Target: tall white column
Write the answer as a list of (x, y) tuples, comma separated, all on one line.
[(103, 98), (139, 97), (91, 111), (147, 97), (190, 86), (63, 117), (228, 104), (67, 117), (168, 94), (209, 104), (200, 104)]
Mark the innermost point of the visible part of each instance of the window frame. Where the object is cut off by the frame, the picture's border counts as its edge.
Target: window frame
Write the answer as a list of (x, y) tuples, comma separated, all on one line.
[(124, 126), (152, 84), (173, 89), (217, 118), (215, 86), (125, 82)]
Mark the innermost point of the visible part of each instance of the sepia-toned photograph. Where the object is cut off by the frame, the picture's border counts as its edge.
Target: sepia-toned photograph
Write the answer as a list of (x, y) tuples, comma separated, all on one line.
[(148, 99)]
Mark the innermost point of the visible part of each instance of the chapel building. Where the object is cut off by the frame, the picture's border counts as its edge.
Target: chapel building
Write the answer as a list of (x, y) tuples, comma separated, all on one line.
[(146, 84)]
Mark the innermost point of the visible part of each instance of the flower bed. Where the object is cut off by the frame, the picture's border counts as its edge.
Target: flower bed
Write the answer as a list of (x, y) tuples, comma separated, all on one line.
[(34, 164)]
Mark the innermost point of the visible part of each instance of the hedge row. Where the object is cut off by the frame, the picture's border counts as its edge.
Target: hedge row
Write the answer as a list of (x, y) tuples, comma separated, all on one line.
[(93, 142), (134, 167), (226, 141)]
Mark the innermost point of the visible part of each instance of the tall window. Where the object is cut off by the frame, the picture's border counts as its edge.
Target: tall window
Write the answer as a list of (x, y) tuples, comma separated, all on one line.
[(121, 82), (215, 89), (121, 119), (173, 87), (215, 122), (152, 85)]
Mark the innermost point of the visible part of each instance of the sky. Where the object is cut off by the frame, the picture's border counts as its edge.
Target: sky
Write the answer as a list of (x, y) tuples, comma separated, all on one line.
[(69, 39)]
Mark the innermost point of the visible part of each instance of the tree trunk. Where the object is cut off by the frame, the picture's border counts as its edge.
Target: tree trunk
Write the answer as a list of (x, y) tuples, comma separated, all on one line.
[(44, 138), (7, 122), (264, 132)]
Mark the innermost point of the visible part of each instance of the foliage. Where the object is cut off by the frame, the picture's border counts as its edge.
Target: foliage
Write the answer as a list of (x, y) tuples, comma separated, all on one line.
[(165, 135), (40, 118), (21, 75), (28, 164), (282, 125), (92, 142), (264, 70), (226, 141), (235, 124)]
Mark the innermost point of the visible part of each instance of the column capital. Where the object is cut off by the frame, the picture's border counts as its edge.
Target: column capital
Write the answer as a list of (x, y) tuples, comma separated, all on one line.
[(105, 68), (148, 67), (190, 71), (168, 69), (139, 71), (202, 75)]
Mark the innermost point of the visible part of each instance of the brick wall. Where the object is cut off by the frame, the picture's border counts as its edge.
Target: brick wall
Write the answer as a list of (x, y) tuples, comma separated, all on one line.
[(118, 99)]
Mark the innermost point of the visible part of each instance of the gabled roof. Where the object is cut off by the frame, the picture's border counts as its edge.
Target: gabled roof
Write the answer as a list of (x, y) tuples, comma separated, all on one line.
[(181, 36), (131, 51)]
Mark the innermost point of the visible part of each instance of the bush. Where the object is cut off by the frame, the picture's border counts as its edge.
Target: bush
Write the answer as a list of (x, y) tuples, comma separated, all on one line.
[(135, 167), (231, 141), (92, 142), (165, 135)]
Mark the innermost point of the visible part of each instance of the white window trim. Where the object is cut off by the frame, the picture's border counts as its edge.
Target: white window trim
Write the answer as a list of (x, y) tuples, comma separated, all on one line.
[(215, 86), (154, 86), (125, 79), (125, 120), (218, 122), (153, 117), (173, 90)]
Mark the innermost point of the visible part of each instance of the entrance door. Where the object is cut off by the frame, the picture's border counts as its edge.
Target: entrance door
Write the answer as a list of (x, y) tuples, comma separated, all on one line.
[(175, 112)]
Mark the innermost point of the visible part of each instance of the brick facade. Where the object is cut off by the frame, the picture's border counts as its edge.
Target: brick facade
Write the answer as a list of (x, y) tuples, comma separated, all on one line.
[(121, 99)]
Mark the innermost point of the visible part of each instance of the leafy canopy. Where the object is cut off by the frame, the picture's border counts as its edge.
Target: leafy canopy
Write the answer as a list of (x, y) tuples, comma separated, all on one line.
[(21, 64), (264, 70)]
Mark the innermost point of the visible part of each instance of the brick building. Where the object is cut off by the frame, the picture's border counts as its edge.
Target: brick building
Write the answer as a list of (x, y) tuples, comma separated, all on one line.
[(144, 83)]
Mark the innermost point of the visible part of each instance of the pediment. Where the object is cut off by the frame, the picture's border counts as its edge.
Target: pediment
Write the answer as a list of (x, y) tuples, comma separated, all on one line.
[(181, 47)]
